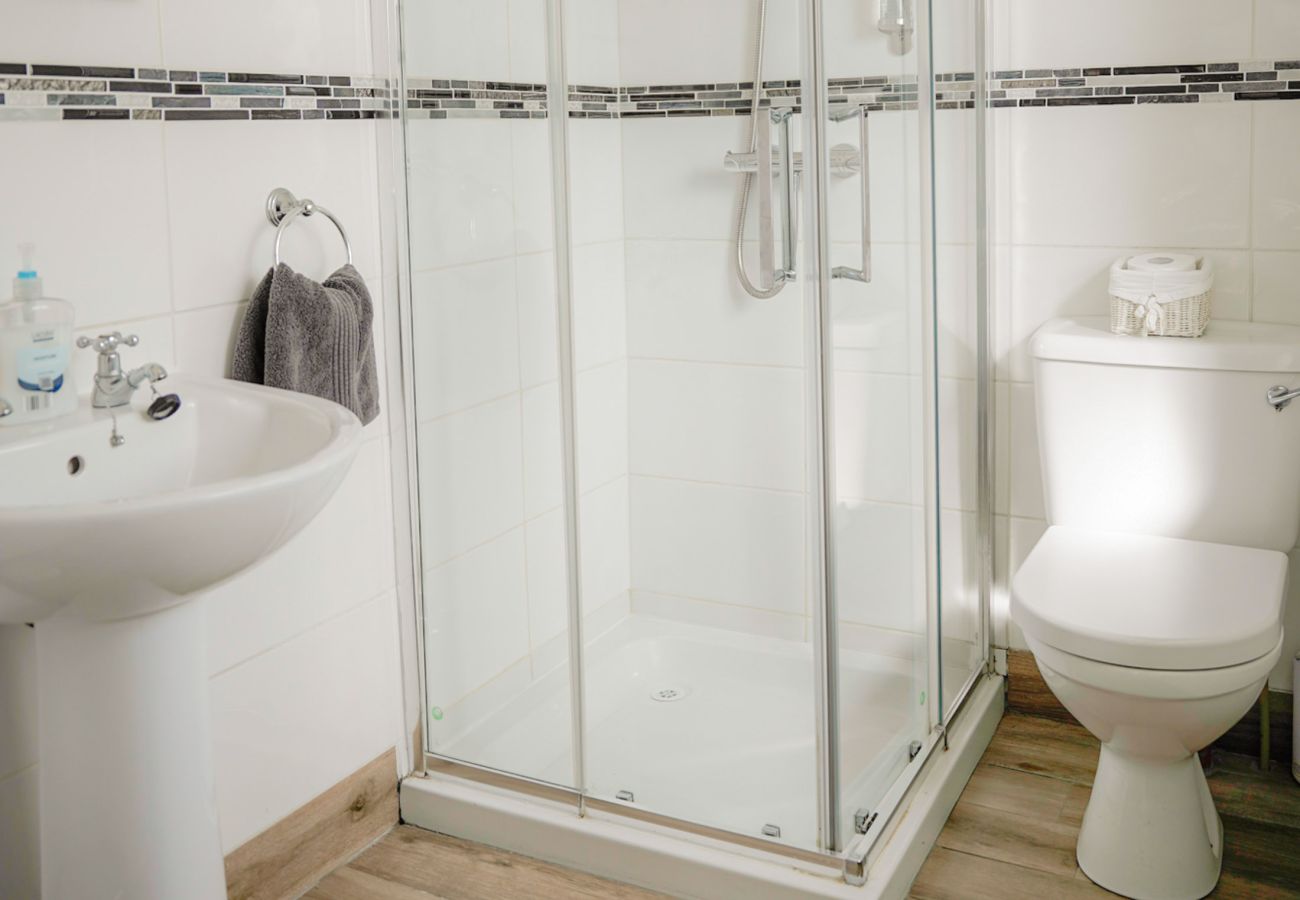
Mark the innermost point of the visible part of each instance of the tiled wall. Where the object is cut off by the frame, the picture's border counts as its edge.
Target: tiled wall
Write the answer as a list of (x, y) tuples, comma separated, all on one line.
[(1078, 187), (487, 388), (158, 228)]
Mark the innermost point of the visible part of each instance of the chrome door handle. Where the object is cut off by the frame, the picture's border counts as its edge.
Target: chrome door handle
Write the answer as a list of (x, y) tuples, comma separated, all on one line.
[(863, 274), (1280, 396)]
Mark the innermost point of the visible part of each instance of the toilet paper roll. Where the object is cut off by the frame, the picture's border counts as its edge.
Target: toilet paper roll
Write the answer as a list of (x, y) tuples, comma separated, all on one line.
[(1162, 262)]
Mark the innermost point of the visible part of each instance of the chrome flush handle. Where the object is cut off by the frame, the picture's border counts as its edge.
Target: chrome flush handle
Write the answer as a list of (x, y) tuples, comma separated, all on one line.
[(1280, 396)]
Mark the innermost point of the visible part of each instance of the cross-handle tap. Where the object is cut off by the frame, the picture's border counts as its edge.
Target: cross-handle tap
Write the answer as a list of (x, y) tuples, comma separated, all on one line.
[(114, 388)]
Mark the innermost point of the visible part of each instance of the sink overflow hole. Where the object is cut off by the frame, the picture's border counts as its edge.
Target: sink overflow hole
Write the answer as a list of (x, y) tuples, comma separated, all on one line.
[(76, 465), (668, 694)]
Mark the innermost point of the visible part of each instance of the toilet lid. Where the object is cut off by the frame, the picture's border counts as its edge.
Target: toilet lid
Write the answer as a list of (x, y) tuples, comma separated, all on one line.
[(1150, 602)]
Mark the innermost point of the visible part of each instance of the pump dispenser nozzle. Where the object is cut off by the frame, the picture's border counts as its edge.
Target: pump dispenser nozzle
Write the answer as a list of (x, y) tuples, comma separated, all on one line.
[(27, 285)]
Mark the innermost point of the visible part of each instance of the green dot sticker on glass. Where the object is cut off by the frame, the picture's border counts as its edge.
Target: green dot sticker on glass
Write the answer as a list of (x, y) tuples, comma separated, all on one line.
[(436, 713)]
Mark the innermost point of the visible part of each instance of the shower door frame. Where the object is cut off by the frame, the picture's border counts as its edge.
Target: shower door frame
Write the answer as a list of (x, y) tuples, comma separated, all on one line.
[(854, 855)]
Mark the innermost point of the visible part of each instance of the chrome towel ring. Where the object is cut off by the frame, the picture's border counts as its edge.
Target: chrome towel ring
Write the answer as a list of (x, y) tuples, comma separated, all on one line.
[(282, 207)]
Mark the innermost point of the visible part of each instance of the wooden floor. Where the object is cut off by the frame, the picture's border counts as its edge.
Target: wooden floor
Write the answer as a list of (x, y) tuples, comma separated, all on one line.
[(1010, 837), (413, 864), (1013, 832)]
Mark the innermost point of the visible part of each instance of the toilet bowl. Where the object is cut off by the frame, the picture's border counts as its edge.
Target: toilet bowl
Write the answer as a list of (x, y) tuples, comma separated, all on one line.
[(1157, 646)]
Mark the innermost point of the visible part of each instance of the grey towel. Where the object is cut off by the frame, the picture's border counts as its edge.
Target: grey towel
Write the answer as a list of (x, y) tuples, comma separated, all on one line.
[(313, 338)]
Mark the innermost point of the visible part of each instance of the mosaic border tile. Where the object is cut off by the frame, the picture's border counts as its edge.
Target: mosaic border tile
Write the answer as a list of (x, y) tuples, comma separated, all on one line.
[(58, 92), (1250, 80), (65, 92)]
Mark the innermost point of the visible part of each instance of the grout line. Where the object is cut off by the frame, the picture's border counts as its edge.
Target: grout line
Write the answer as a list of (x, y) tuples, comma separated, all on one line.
[(379, 595)]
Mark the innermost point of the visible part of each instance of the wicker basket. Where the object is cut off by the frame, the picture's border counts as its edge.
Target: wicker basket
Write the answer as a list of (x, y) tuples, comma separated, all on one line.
[(1187, 317)]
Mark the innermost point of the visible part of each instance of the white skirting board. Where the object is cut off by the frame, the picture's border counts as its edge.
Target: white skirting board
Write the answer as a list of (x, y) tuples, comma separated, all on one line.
[(687, 865)]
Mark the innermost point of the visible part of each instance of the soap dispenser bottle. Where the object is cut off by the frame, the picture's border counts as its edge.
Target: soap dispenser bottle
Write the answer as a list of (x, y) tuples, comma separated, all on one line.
[(35, 351)]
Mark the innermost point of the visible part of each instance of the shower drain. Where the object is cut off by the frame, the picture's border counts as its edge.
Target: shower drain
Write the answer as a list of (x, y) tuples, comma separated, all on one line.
[(668, 694)]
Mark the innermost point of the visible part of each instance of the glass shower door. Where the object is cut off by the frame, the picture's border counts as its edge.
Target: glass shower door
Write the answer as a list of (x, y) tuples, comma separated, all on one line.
[(490, 430), (882, 427), (700, 691)]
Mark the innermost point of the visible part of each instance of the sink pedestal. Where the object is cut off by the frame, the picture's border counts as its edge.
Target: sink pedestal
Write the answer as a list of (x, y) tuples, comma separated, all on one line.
[(126, 779)]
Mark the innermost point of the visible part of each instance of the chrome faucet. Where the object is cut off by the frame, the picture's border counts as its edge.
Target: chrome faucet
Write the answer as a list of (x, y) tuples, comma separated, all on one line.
[(113, 387), (5, 408)]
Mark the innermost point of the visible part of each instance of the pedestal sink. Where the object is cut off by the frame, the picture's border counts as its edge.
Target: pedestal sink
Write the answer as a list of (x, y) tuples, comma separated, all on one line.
[(108, 550)]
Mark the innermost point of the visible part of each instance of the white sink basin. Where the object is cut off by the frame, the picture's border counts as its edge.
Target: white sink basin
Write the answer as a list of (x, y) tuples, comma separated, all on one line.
[(108, 550), (182, 504)]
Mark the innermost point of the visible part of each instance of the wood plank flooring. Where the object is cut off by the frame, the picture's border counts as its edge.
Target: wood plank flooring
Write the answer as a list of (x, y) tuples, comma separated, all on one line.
[(1011, 837), (1013, 832), (413, 864)]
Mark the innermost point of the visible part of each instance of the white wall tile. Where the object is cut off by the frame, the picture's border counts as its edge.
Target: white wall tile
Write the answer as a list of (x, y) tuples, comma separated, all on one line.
[(740, 425), (744, 619), (112, 260), (880, 551), (684, 303), (548, 583), (1061, 33), (461, 191), (205, 338), (599, 304), (325, 37), (685, 42), (471, 484), (877, 437), (342, 559), (330, 690), (1026, 466), (535, 288), (1178, 178), (957, 309), (855, 45), (543, 450), (452, 39), (959, 588), (591, 40), (1277, 287), (733, 545), (528, 40), (674, 185), (82, 32), (605, 546), (465, 332), (1277, 22), (530, 147), (222, 242), (1277, 178), (595, 180), (953, 30), (955, 143), (602, 424), (476, 617), (958, 451)]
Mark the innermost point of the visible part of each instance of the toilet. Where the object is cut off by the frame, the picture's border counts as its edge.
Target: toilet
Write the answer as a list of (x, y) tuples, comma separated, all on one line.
[(1153, 602)]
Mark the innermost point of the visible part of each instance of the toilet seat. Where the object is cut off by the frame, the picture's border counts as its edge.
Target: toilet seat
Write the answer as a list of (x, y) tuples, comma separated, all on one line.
[(1145, 602)]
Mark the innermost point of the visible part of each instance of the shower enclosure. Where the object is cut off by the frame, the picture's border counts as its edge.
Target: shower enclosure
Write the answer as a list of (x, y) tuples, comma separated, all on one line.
[(714, 557)]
